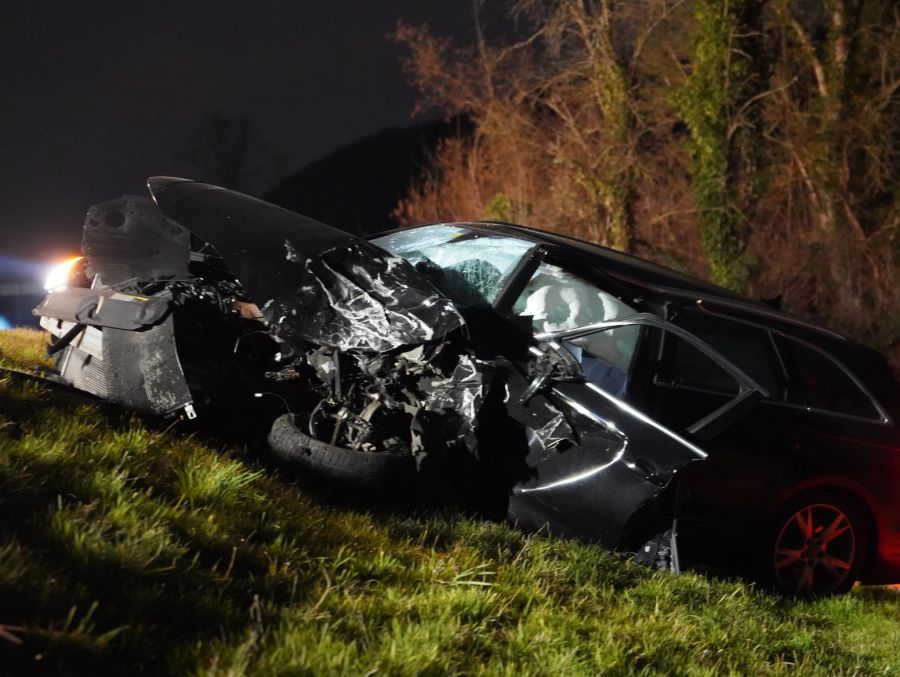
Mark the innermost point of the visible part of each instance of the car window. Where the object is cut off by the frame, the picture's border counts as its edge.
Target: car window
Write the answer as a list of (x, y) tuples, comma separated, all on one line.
[(817, 382), (606, 357), (684, 384), (557, 300), (749, 348), (683, 365), (657, 372), (468, 266)]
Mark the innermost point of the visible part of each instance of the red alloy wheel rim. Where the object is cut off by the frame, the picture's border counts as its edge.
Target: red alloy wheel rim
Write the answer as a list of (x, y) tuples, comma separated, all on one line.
[(815, 550)]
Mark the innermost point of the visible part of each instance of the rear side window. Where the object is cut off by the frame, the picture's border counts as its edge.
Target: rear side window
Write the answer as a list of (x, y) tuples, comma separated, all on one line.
[(748, 348), (685, 366), (818, 382), (687, 384)]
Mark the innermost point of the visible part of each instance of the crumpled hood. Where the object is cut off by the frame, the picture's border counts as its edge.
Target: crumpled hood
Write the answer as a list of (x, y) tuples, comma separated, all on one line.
[(313, 282)]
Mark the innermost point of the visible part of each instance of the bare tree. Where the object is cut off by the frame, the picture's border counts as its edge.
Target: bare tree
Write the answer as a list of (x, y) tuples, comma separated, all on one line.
[(561, 125), (833, 130), (755, 142)]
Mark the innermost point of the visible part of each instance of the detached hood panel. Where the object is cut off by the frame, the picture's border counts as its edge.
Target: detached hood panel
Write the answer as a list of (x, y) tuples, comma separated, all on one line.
[(313, 281)]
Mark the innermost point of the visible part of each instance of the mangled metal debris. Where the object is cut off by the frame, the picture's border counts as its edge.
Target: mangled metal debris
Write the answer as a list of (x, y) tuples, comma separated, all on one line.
[(462, 392)]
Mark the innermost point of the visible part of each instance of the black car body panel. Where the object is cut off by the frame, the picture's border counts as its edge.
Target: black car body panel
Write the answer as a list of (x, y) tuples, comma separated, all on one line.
[(607, 398), (129, 239), (354, 295)]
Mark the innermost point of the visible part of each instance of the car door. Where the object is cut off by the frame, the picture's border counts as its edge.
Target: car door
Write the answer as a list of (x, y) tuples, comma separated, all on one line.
[(607, 481)]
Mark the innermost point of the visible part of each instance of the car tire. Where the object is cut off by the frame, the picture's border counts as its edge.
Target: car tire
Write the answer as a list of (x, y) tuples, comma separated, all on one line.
[(374, 470), (817, 544)]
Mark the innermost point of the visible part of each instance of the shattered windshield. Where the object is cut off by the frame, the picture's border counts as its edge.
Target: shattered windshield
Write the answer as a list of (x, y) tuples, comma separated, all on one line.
[(468, 266)]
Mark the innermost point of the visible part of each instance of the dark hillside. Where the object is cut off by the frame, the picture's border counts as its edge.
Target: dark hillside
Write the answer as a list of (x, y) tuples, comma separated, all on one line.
[(356, 187)]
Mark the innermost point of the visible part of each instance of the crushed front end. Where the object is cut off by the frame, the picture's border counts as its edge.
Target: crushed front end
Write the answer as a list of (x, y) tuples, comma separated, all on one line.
[(172, 314)]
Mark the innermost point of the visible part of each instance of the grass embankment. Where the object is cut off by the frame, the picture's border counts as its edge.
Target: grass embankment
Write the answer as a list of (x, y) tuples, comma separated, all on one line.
[(23, 349), (127, 550)]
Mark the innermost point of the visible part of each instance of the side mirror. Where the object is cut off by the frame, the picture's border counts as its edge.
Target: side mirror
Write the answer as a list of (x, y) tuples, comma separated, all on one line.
[(552, 362)]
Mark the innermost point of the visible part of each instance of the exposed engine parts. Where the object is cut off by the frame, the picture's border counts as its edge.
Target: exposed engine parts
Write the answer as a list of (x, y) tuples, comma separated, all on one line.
[(383, 402)]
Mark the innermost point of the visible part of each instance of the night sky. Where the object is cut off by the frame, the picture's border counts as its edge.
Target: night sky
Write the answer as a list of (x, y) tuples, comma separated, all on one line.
[(99, 95)]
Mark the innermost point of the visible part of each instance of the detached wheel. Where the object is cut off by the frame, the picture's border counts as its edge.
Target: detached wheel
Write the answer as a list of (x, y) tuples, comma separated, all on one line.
[(818, 545), (369, 469)]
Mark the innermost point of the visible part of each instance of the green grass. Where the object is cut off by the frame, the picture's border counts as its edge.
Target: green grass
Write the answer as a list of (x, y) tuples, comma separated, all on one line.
[(127, 550), (23, 349)]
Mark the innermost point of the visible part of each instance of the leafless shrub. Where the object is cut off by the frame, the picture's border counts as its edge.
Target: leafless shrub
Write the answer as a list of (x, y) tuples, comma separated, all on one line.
[(576, 132)]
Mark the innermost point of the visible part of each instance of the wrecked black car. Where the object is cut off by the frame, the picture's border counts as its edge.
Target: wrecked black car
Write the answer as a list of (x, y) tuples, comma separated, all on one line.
[(594, 394)]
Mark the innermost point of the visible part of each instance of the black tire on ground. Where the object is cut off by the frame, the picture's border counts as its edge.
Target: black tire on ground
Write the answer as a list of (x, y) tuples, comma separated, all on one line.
[(817, 544), (361, 468)]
